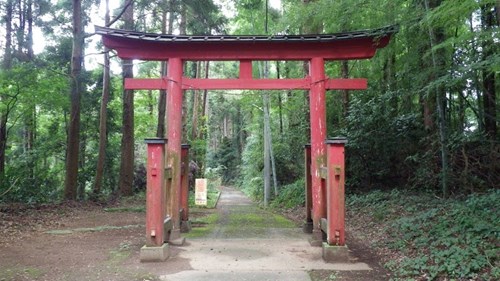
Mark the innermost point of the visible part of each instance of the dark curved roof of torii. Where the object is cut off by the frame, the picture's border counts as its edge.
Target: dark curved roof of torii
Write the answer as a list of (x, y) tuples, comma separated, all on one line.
[(338, 46)]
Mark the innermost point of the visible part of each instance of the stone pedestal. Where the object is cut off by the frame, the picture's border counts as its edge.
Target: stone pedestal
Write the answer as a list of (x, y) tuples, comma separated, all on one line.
[(175, 238), (307, 227), (335, 254), (185, 226), (154, 254), (317, 238)]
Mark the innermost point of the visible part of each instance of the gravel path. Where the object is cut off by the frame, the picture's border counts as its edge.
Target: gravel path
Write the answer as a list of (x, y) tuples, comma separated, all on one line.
[(249, 243)]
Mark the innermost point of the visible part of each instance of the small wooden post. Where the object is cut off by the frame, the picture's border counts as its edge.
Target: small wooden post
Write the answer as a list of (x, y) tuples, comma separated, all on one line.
[(155, 192), (308, 224), (185, 224), (336, 191)]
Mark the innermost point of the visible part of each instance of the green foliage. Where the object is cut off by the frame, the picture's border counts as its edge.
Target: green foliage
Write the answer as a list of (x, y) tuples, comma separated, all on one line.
[(379, 140), (454, 239), (290, 195)]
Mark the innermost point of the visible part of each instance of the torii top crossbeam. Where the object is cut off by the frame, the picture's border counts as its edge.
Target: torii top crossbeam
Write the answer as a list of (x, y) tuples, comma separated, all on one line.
[(339, 46)]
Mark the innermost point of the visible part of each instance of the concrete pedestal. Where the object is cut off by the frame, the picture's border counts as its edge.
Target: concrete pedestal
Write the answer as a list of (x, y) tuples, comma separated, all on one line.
[(154, 254), (317, 238), (185, 226), (333, 254), (307, 227), (175, 238)]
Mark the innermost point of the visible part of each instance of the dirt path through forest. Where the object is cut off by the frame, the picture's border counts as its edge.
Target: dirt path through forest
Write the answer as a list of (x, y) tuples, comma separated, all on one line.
[(240, 242)]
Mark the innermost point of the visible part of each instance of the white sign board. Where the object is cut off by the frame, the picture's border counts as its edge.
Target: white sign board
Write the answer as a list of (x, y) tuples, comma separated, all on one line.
[(200, 192)]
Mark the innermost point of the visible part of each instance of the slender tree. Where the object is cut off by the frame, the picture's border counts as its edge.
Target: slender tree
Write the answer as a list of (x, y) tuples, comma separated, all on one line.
[(488, 75), (103, 116), (70, 184), (6, 65), (127, 148)]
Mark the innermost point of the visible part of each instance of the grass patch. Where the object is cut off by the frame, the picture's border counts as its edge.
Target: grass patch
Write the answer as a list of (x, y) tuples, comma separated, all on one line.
[(454, 239), (91, 229), (119, 255), (247, 220), (282, 222), (202, 226), (20, 273), (138, 209), (259, 219), (212, 199)]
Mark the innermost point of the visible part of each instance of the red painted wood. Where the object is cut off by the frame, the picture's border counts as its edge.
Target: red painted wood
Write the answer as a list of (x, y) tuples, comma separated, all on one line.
[(174, 134), (185, 182), (317, 110), (246, 69), (245, 84), (155, 193), (336, 193), (146, 84), (346, 84), (308, 185), (356, 48)]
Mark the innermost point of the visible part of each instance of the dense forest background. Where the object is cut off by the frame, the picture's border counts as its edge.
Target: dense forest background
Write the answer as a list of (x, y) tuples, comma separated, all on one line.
[(428, 121)]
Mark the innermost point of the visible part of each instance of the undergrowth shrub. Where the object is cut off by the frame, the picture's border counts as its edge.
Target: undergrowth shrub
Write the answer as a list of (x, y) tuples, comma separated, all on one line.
[(291, 195), (437, 239)]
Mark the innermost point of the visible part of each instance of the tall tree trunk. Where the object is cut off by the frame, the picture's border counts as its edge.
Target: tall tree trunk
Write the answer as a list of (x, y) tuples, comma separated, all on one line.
[(80, 195), (6, 65), (162, 100), (489, 93), (437, 37), (30, 118), (196, 101), (183, 21), (267, 155), (71, 181), (21, 27), (7, 59), (103, 114), (280, 102), (204, 103), (162, 105), (29, 39), (127, 149), (3, 142), (497, 9)]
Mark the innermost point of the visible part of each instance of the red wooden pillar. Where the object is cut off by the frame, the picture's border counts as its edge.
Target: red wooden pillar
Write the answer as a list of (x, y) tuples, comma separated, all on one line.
[(336, 191), (155, 192), (185, 225), (308, 224), (174, 134), (317, 110)]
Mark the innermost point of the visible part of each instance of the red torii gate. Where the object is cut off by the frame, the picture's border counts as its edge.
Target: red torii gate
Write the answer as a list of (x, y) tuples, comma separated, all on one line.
[(325, 202)]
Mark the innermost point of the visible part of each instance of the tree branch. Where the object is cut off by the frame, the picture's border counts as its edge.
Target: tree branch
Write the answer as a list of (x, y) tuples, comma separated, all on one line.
[(120, 14)]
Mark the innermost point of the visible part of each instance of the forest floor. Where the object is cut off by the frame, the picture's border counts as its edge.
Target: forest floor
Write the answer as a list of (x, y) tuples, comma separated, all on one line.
[(236, 241)]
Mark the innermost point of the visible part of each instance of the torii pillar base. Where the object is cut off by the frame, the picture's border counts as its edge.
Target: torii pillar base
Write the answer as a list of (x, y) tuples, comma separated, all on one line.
[(154, 253), (176, 239), (335, 254), (317, 238), (186, 226)]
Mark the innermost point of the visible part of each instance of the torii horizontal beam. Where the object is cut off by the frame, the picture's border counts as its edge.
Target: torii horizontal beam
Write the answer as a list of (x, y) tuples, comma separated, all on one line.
[(245, 84)]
